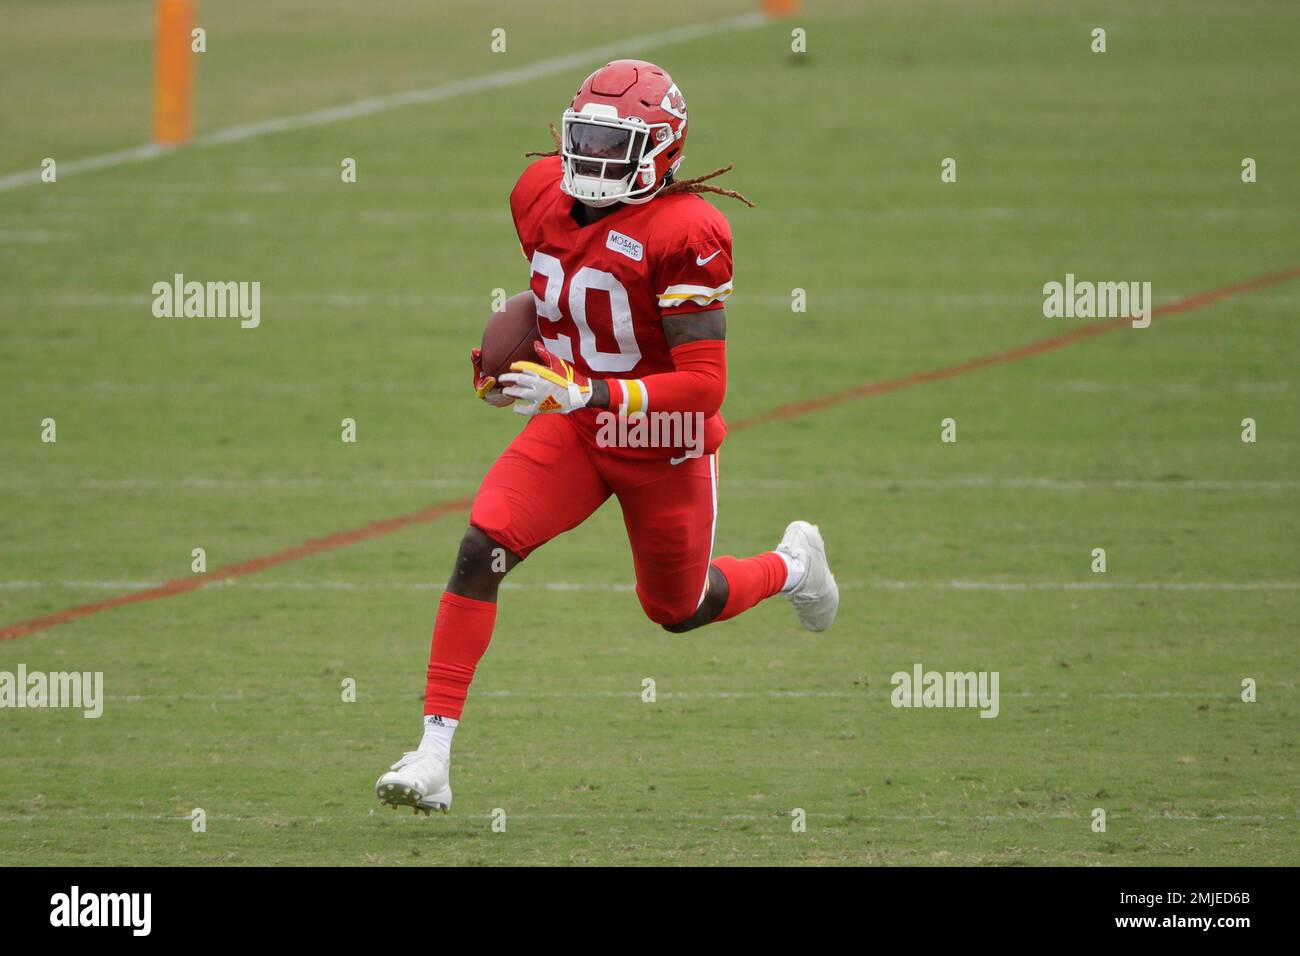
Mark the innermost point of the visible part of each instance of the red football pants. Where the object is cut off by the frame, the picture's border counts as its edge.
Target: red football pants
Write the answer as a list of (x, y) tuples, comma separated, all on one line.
[(550, 479)]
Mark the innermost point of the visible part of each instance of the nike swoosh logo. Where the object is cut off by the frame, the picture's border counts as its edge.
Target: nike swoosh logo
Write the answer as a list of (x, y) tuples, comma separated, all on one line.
[(700, 262)]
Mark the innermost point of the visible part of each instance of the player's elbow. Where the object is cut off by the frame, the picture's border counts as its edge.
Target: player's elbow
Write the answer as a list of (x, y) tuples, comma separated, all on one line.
[(712, 391), (704, 365)]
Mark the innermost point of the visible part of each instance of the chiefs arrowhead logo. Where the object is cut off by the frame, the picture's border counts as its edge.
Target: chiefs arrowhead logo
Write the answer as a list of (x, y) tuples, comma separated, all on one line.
[(673, 102)]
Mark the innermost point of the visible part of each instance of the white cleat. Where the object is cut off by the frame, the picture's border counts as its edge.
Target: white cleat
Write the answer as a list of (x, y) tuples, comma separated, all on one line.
[(817, 597), (418, 780)]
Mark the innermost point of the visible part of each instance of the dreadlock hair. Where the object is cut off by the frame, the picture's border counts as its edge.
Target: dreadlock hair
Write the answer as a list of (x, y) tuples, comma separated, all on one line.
[(697, 184), (555, 135)]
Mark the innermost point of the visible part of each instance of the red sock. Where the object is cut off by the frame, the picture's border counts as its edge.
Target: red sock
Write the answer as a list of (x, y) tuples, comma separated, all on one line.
[(461, 633), (750, 580)]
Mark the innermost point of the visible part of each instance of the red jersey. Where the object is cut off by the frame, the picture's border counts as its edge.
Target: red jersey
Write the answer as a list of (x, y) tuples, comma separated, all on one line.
[(603, 289)]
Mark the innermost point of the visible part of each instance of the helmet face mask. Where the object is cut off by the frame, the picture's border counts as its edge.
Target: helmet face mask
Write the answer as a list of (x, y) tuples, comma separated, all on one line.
[(605, 158), (622, 136)]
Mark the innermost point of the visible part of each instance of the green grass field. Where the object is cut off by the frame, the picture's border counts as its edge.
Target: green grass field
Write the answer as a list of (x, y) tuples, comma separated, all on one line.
[(1119, 690)]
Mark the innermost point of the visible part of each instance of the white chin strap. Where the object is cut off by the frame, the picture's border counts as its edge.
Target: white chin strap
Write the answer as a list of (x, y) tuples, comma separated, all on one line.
[(598, 203), (599, 193)]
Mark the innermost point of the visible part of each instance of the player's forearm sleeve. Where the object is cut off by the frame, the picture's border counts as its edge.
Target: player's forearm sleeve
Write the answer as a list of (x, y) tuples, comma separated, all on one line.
[(698, 384)]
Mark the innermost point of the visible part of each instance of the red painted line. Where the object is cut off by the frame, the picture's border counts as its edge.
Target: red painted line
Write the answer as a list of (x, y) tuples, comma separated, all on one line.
[(1050, 344), (434, 512), (230, 571), (868, 389)]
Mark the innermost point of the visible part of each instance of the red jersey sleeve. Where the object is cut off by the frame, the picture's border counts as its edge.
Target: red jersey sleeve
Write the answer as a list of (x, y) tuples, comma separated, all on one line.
[(693, 274)]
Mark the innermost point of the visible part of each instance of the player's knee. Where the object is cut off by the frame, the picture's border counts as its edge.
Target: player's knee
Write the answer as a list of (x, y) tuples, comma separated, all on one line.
[(480, 562), (681, 627), (677, 621), (675, 618)]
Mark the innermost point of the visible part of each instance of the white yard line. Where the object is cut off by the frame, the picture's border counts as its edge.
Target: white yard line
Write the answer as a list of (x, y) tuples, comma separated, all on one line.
[(329, 694), (1246, 486), (780, 817), (582, 59), (424, 298), (625, 587), (1081, 585), (136, 154)]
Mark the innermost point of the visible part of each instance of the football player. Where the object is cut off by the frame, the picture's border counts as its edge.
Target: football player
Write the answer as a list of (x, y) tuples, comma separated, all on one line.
[(630, 268)]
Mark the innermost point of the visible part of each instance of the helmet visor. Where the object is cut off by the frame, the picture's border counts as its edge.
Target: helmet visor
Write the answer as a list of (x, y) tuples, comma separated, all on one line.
[(608, 152)]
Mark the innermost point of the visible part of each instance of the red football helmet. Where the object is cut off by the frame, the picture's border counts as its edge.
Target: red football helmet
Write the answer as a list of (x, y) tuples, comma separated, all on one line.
[(623, 134)]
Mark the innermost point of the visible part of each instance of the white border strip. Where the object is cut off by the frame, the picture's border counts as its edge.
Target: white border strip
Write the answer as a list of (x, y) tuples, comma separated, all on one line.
[(378, 104)]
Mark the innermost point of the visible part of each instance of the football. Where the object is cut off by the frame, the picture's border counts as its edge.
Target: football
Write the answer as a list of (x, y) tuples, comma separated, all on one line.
[(509, 335)]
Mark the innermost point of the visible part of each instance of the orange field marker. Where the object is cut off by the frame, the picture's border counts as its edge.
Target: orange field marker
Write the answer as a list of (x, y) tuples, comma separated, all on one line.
[(173, 92), (780, 8)]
